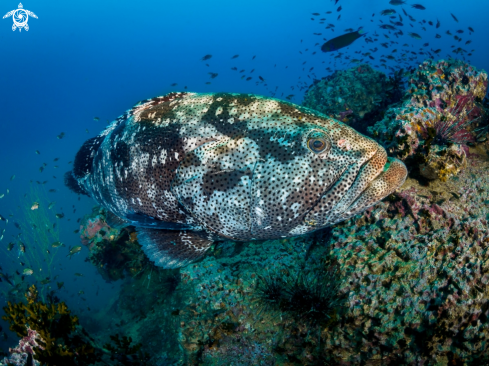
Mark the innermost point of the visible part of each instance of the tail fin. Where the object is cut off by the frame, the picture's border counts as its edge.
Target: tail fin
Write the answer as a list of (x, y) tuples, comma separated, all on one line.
[(73, 184)]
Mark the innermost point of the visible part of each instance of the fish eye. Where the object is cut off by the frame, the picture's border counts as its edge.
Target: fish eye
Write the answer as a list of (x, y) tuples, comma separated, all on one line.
[(317, 145)]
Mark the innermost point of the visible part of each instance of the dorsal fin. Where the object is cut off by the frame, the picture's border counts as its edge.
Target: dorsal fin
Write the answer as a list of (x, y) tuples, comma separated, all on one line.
[(173, 249)]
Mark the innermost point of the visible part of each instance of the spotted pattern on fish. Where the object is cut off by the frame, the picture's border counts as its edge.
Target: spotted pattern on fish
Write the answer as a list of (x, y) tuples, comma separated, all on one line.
[(236, 166)]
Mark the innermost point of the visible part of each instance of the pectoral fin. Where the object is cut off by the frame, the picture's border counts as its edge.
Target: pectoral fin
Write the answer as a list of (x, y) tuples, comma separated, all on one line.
[(173, 249), (115, 221)]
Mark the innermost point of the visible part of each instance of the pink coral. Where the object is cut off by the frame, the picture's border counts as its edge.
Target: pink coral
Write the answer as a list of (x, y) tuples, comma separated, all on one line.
[(26, 346)]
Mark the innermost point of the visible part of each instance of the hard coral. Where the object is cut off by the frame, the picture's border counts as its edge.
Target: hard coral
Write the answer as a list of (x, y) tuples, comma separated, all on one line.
[(113, 252), (354, 94), (417, 279), (94, 228), (442, 107)]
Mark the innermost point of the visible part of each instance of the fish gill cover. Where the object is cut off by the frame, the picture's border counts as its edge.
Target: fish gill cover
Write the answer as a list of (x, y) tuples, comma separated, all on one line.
[(303, 184)]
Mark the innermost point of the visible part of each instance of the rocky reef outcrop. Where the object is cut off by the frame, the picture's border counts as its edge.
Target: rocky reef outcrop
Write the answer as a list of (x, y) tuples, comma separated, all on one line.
[(442, 108), (356, 96)]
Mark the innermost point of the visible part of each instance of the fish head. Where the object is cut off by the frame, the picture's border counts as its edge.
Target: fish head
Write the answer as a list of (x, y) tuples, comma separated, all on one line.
[(281, 170)]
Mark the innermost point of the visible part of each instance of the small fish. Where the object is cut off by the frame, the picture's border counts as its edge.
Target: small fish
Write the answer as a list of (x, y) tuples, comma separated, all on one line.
[(418, 6), (74, 250), (3, 218), (86, 130), (41, 169), (52, 190), (342, 41), (206, 57), (387, 12), (81, 292), (76, 231), (12, 177), (454, 17), (2, 195), (35, 206), (79, 274), (60, 215), (437, 23), (51, 205), (437, 36), (45, 281), (174, 84), (387, 26), (415, 35), (471, 29), (96, 119), (397, 2), (28, 271), (21, 247), (61, 135), (10, 246), (235, 56), (60, 285), (213, 74), (57, 244)]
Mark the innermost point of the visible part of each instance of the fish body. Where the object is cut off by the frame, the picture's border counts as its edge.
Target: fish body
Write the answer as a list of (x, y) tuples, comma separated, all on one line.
[(28, 271), (74, 250), (188, 169), (387, 12), (342, 41)]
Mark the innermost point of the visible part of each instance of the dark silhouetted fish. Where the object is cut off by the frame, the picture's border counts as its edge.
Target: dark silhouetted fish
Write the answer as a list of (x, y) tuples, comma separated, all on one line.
[(342, 41)]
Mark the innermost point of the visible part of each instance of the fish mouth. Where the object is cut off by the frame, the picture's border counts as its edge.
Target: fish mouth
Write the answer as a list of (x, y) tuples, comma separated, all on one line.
[(375, 178), (392, 176)]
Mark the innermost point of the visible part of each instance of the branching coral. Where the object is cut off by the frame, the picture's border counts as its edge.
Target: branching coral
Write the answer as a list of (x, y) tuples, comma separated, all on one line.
[(59, 343)]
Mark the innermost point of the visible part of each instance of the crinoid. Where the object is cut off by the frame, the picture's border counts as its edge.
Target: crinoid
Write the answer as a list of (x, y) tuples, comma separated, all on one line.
[(451, 127)]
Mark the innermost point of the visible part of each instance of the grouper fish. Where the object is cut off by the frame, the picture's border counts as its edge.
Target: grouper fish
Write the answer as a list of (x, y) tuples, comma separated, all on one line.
[(188, 169)]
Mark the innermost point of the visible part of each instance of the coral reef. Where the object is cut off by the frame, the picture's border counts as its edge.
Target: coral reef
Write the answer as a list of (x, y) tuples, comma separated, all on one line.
[(23, 353), (442, 106), (51, 336), (125, 353), (356, 96), (113, 252), (412, 288), (406, 282), (59, 343), (94, 229)]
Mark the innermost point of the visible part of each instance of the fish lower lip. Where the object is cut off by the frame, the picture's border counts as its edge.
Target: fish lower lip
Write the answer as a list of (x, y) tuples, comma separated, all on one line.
[(392, 177)]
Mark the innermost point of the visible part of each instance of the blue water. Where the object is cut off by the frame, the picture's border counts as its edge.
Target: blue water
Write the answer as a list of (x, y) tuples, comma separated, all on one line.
[(86, 59)]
